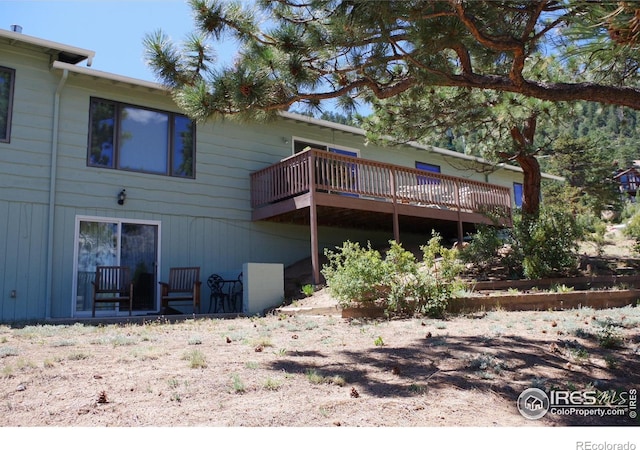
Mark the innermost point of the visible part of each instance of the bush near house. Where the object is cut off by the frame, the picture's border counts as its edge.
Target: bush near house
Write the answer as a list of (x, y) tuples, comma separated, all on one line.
[(632, 230), (535, 248), (547, 245), (398, 282), (540, 247), (354, 273)]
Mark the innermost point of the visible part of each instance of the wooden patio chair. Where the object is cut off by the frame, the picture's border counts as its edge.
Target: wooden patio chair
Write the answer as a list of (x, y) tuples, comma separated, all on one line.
[(112, 284), (184, 284)]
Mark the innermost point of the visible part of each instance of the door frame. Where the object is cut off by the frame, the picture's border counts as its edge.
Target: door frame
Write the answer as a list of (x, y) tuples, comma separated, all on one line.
[(119, 220)]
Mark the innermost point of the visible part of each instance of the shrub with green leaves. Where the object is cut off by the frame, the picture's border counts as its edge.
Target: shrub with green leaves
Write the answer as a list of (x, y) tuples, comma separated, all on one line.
[(547, 244), (629, 210), (354, 273), (482, 251), (308, 290), (609, 336), (401, 277), (594, 229), (632, 230), (535, 247), (398, 282), (438, 277)]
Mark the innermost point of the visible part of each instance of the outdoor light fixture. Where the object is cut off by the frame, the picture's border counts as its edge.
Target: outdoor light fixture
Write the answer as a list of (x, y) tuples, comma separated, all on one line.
[(121, 197)]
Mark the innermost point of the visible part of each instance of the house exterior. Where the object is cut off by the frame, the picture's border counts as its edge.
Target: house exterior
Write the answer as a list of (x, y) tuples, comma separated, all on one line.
[(628, 182), (97, 169)]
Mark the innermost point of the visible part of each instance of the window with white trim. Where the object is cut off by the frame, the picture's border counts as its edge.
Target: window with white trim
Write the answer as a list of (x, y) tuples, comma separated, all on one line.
[(301, 145), (128, 137), (7, 80)]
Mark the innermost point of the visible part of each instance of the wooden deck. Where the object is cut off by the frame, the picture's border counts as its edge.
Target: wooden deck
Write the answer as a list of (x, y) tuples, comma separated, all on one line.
[(341, 185), (317, 188)]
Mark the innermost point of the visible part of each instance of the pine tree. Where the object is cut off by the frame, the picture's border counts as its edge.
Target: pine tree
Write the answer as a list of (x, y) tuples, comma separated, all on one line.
[(293, 52)]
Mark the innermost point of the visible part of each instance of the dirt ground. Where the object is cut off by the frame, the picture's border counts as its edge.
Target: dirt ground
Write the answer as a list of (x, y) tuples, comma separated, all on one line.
[(317, 370)]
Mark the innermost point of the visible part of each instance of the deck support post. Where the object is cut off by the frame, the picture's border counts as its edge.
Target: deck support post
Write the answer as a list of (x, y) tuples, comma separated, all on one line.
[(396, 222), (313, 220), (457, 199)]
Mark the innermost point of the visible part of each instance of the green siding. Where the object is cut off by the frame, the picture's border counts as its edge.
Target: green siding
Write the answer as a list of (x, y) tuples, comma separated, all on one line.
[(22, 252), (205, 221), (24, 171)]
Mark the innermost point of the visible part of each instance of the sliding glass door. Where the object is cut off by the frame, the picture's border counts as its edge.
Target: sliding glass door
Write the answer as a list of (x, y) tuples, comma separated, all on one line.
[(110, 242)]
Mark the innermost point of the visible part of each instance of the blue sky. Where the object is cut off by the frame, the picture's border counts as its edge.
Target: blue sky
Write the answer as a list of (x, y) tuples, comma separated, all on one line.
[(113, 29)]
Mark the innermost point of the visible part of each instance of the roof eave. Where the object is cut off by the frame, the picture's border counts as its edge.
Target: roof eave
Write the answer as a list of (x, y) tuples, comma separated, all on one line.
[(65, 52), (107, 76), (438, 150)]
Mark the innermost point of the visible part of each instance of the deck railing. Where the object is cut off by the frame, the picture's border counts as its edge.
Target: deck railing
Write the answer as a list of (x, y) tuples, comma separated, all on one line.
[(356, 177)]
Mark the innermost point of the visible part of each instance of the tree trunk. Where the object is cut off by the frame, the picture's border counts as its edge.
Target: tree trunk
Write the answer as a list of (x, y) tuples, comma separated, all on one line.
[(525, 156), (531, 185)]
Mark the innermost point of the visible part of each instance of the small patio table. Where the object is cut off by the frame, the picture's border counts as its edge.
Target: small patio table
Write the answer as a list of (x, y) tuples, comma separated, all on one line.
[(225, 292)]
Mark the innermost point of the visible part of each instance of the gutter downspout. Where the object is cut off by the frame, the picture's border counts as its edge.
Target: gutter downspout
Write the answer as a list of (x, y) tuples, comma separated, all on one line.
[(52, 191)]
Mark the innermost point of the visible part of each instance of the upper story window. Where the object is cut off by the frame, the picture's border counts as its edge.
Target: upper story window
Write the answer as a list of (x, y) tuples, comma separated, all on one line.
[(7, 79), (517, 194), (428, 168), (128, 137), (300, 145)]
